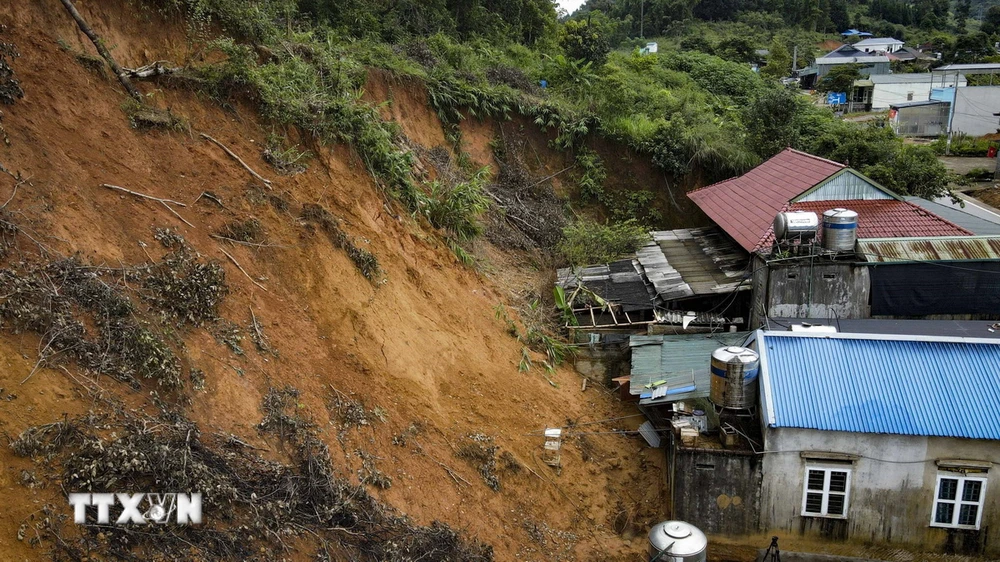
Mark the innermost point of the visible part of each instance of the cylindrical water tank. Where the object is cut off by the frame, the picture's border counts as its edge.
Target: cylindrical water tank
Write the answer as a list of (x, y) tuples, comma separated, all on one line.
[(840, 230), (795, 225), (734, 377), (677, 541)]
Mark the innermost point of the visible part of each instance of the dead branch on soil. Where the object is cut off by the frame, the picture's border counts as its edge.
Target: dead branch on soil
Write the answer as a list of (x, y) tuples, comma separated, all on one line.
[(143, 195), (103, 51), (151, 70), (242, 243), (210, 196), (237, 264), (267, 182), (567, 168), (12, 194), (454, 475), (256, 325), (165, 202)]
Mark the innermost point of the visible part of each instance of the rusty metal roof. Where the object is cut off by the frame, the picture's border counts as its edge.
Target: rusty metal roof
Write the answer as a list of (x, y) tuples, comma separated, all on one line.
[(944, 248)]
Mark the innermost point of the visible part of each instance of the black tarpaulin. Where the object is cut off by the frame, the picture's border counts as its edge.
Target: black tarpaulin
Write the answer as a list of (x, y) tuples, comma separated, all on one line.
[(922, 289)]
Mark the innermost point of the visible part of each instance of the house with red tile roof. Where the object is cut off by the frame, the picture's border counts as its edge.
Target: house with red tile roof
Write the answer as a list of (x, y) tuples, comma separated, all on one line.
[(802, 281), (745, 206)]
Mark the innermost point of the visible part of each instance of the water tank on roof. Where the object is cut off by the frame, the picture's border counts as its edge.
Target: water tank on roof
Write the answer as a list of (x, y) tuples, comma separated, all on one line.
[(840, 230), (795, 225), (734, 377), (677, 541)]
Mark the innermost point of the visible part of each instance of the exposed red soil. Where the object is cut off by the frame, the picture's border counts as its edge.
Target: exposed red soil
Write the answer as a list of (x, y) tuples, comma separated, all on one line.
[(425, 346)]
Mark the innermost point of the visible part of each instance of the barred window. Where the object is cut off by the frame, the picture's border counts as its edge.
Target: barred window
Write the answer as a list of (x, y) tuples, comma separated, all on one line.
[(826, 491), (958, 501)]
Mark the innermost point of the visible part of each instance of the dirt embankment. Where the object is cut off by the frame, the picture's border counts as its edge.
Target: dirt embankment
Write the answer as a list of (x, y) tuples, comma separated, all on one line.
[(421, 346)]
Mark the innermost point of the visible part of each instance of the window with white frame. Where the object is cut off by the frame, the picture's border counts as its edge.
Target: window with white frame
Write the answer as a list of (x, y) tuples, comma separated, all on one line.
[(827, 491), (958, 501)]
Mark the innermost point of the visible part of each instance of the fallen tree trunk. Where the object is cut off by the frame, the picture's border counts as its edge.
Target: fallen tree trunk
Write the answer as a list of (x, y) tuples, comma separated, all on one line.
[(103, 51), (151, 70)]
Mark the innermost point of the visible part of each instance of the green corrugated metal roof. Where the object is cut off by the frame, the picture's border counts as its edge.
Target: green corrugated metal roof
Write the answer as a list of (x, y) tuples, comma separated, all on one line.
[(680, 360)]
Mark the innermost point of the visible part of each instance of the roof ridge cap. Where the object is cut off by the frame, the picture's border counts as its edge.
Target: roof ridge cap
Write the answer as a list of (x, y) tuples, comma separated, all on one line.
[(820, 158), (717, 183)]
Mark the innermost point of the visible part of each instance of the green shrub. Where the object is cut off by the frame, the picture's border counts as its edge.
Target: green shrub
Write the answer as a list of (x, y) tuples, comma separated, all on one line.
[(586, 242), (962, 145), (591, 182), (457, 209)]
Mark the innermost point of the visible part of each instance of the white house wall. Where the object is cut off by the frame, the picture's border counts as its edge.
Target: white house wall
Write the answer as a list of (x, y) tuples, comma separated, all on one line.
[(886, 94), (974, 109), (891, 488)]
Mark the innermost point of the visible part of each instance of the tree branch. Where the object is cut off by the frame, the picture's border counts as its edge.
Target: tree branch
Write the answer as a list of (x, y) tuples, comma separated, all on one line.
[(103, 51), (267, 182), (165, 202), (143, 195), (237, 264)]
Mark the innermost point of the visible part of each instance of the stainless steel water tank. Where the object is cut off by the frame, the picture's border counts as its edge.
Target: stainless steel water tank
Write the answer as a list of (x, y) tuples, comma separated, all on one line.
[(734, 377), (840, 230), (795, 225), (676, 541)]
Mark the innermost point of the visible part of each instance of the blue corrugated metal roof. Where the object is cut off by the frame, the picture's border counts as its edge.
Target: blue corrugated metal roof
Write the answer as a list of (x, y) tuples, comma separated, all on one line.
[(904, 385)]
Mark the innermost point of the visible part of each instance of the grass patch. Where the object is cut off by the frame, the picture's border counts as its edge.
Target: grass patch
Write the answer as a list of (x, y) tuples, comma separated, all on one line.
[(249, 231)]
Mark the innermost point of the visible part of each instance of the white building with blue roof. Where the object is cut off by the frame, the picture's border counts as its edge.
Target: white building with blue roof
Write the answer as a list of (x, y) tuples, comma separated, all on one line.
[(881, 438)]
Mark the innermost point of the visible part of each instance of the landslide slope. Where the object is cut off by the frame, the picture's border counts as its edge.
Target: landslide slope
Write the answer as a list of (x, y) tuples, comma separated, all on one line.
[(402, 377)]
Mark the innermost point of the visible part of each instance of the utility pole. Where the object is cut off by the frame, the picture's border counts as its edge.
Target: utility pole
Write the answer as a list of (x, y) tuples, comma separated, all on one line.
[(795, 57), (642, 16)]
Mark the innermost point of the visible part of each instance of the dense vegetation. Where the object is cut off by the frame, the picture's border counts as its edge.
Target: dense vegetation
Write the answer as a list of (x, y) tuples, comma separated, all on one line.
[(696, 109)]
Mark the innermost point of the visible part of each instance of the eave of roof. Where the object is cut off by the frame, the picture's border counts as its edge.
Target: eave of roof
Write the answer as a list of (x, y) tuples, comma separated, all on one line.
[(881, 384)]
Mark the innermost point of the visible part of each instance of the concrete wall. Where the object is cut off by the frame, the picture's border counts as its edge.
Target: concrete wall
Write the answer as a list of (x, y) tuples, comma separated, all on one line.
[(891, 491), (716, 490), (606, 359), (974, 109), (817, 289)]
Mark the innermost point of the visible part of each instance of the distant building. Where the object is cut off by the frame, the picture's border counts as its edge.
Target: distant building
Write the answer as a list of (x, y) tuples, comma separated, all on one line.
[(975, 108), (848, 54), (879, 45), (909, 54)]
